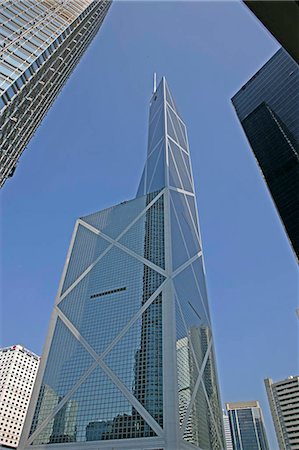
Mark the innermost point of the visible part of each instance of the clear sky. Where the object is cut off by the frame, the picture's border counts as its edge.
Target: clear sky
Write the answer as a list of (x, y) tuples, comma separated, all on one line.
[(89, 153)]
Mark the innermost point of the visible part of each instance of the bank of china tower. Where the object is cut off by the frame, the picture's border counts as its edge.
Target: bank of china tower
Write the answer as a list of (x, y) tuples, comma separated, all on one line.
[(129, 359)]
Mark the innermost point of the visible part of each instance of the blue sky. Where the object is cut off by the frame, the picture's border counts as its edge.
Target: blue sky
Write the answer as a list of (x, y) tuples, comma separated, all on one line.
[(89, 153)]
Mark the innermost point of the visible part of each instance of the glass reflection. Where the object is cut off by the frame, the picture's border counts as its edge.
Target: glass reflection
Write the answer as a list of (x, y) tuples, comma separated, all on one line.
[(100, 306)]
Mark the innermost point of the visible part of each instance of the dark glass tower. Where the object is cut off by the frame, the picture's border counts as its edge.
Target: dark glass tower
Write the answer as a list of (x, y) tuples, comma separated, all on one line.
[(247, 426), (129, 356), (267, 106), (41, 43)]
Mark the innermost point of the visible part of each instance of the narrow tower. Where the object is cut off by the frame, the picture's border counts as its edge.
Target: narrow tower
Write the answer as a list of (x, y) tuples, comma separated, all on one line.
[(129, 356), (41, 43)]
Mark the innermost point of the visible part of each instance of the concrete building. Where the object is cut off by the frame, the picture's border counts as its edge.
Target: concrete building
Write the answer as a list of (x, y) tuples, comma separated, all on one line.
[(247, 426), (18, 368), (227, 432), (129, 355), (267, 107), (283, 399), (41, 43)]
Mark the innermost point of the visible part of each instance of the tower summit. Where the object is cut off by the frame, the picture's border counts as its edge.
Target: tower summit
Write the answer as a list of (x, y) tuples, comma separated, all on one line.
[(129, 355)]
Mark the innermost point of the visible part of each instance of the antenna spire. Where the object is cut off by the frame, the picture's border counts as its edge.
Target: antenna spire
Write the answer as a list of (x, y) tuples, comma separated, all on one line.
[(155, 82)]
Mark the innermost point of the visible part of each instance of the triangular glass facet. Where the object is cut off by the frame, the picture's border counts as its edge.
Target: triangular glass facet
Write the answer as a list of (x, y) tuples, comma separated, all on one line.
[(137, 238), (210, 383), (191, 203), (156, 131), (181, 167), (200, 278), (97, 411), (186, 366), (155, 171), (87, 247), (197, 431), (188, 228), (179, 249), (137, 360), (174, 179), (66, 363), (157, 102), (170, 128), (169, 98), (108, 221), (114, 284), (193, 308), (177, 127)]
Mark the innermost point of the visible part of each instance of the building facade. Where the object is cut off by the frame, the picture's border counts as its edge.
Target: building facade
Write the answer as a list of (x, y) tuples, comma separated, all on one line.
[(267, 107), (41, 43), (281, 18), (227, 432), (283, 397), (18, 369), (129, 356), (247, 426)]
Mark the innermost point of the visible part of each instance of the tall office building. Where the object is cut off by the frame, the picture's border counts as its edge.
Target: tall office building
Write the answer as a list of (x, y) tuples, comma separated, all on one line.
[(247, 426), (129, 356), (227, 432), (281, 18), (41, 43), (267, 106), (283, 399), (18, 369)]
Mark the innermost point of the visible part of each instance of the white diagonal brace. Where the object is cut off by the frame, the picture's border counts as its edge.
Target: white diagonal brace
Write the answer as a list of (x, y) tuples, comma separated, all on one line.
[(202, 300), (133, 400), (60, 404), (176, 143), (108, 248), (179, 225), (186, 264), (83, 274), (125, 391), (195, 278), (94, 365), (199, 378), (211, 411), (180, 123), (181, 191), (155, 148), (125, 249)]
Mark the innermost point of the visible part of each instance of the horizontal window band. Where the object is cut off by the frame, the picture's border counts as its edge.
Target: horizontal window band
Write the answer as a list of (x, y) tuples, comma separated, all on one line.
[(100, 294)]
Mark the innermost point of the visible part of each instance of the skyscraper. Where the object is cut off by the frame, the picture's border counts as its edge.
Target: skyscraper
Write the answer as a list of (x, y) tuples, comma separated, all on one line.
[(130, 341), (267, 106), (283, 399), (41, 43), (281, 18), (247, 426), (18, 369), (227, 432)]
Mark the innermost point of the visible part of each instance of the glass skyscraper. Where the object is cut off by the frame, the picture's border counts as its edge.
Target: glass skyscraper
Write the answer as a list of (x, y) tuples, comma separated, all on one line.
[(267, 106), (129, 357), (247, 426), (41, 43)]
